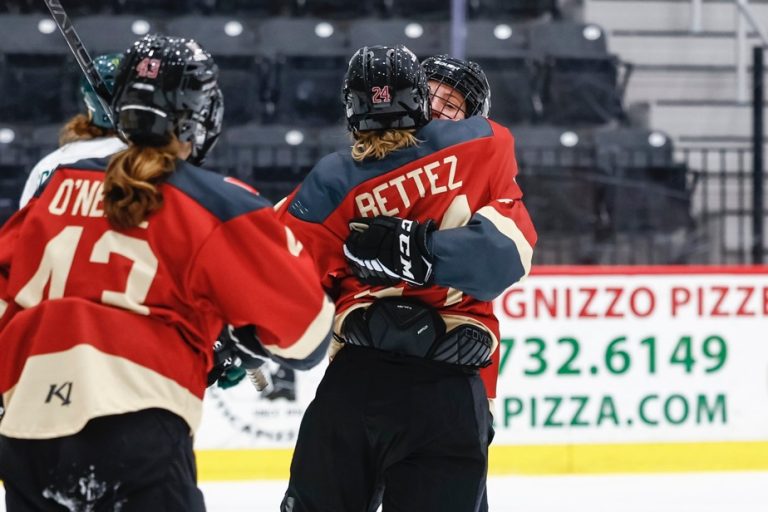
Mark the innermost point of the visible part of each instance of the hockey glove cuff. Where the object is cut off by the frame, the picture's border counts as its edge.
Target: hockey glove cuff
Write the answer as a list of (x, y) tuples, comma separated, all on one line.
[(382, 251)]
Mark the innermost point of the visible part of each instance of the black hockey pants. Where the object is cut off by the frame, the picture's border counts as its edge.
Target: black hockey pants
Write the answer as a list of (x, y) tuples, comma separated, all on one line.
[(135, 462), (417, 428)]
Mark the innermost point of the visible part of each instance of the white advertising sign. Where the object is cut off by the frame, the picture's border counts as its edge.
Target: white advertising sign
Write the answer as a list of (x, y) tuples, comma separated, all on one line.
[(588, 355), (624, 356)]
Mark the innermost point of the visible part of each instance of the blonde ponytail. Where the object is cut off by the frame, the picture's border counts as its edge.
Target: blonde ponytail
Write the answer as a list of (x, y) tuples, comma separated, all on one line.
[(377, 144)]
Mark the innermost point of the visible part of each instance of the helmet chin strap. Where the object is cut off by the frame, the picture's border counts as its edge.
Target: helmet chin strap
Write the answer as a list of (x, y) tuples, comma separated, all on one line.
[(185, 151)]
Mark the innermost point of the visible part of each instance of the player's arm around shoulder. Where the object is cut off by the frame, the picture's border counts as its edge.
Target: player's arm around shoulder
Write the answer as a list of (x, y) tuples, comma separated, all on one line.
[(499, 239)]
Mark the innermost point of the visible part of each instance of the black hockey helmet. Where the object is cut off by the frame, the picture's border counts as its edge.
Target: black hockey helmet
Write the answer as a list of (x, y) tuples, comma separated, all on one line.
[(466, 77), (168, 85), (385, 88), (106, 66)]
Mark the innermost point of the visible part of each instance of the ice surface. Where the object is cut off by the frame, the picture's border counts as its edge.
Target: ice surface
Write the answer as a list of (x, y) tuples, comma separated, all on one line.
[(697, 492)]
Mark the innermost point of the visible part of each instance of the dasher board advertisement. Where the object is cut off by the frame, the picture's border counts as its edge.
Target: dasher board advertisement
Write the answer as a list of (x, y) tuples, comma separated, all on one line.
[(602, 369)]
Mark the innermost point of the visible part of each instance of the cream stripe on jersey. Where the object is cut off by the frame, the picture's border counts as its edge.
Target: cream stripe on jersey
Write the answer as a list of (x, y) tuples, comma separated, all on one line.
[(339, 320), (458, 214), (3, 307), (279, 203), (509, 229), (58, 393), (312, 337)]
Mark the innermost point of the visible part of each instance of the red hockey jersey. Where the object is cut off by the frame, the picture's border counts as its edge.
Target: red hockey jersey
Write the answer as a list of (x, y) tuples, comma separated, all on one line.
[(462, 175), (96, 320)]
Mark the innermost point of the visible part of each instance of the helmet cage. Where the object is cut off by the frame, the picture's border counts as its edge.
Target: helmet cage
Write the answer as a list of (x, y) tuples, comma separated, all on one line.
[(467, 77)]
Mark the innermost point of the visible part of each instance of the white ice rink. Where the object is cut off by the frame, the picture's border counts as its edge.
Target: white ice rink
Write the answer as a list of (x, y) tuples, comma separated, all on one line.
[(700, 492)]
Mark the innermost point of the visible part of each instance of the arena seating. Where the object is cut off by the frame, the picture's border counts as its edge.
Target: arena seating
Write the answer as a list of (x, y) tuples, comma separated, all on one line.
[(43, 139), (337, 8), (281, 158), (420, 9), (503, 52), (424, 38), (242, 70), (308, 58), (151, 7), (283, 152), (580, 82), (14, 162), (38, 75), (110, 33), (340, 9), (553, 81), (73, 6), (558, 175), (647, 192), (516, 8)]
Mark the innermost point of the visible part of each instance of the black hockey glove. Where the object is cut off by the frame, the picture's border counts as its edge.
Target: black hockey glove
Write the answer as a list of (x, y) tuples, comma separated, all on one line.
[(231, 359), (225, 361), (382, 251)]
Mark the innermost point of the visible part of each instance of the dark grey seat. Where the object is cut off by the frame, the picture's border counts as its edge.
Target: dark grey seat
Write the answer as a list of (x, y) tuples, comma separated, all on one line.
[(648, 192), (337, 9), (235, 45), (514, 9), (15, 164), (424, 38), (271, 152), (418, 9), (38, 76), (308, 58), (113, 33), (580, 82), (559, 179)]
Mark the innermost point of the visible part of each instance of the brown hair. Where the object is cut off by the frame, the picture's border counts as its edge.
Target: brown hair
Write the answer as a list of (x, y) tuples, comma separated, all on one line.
[(130, 186), (379, 144), (80, 128)]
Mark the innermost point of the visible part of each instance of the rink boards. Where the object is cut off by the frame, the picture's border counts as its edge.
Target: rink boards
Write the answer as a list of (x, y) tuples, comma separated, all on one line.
[(615, 369)]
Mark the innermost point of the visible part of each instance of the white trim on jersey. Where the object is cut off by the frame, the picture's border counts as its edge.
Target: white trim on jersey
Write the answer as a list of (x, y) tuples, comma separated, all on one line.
[(67, 154)]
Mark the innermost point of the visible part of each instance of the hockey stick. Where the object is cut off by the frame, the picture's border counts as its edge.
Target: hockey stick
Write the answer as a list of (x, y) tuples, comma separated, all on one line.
[(82, 57), (258, 374)]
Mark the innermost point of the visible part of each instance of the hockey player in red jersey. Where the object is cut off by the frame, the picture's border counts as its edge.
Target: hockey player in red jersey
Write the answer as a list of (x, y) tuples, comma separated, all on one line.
[(459, 89), (114, 281), (438, 230)]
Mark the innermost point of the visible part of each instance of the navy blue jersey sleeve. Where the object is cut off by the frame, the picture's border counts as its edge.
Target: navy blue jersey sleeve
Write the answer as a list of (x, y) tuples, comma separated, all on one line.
[(494, 249), (485, 257)]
